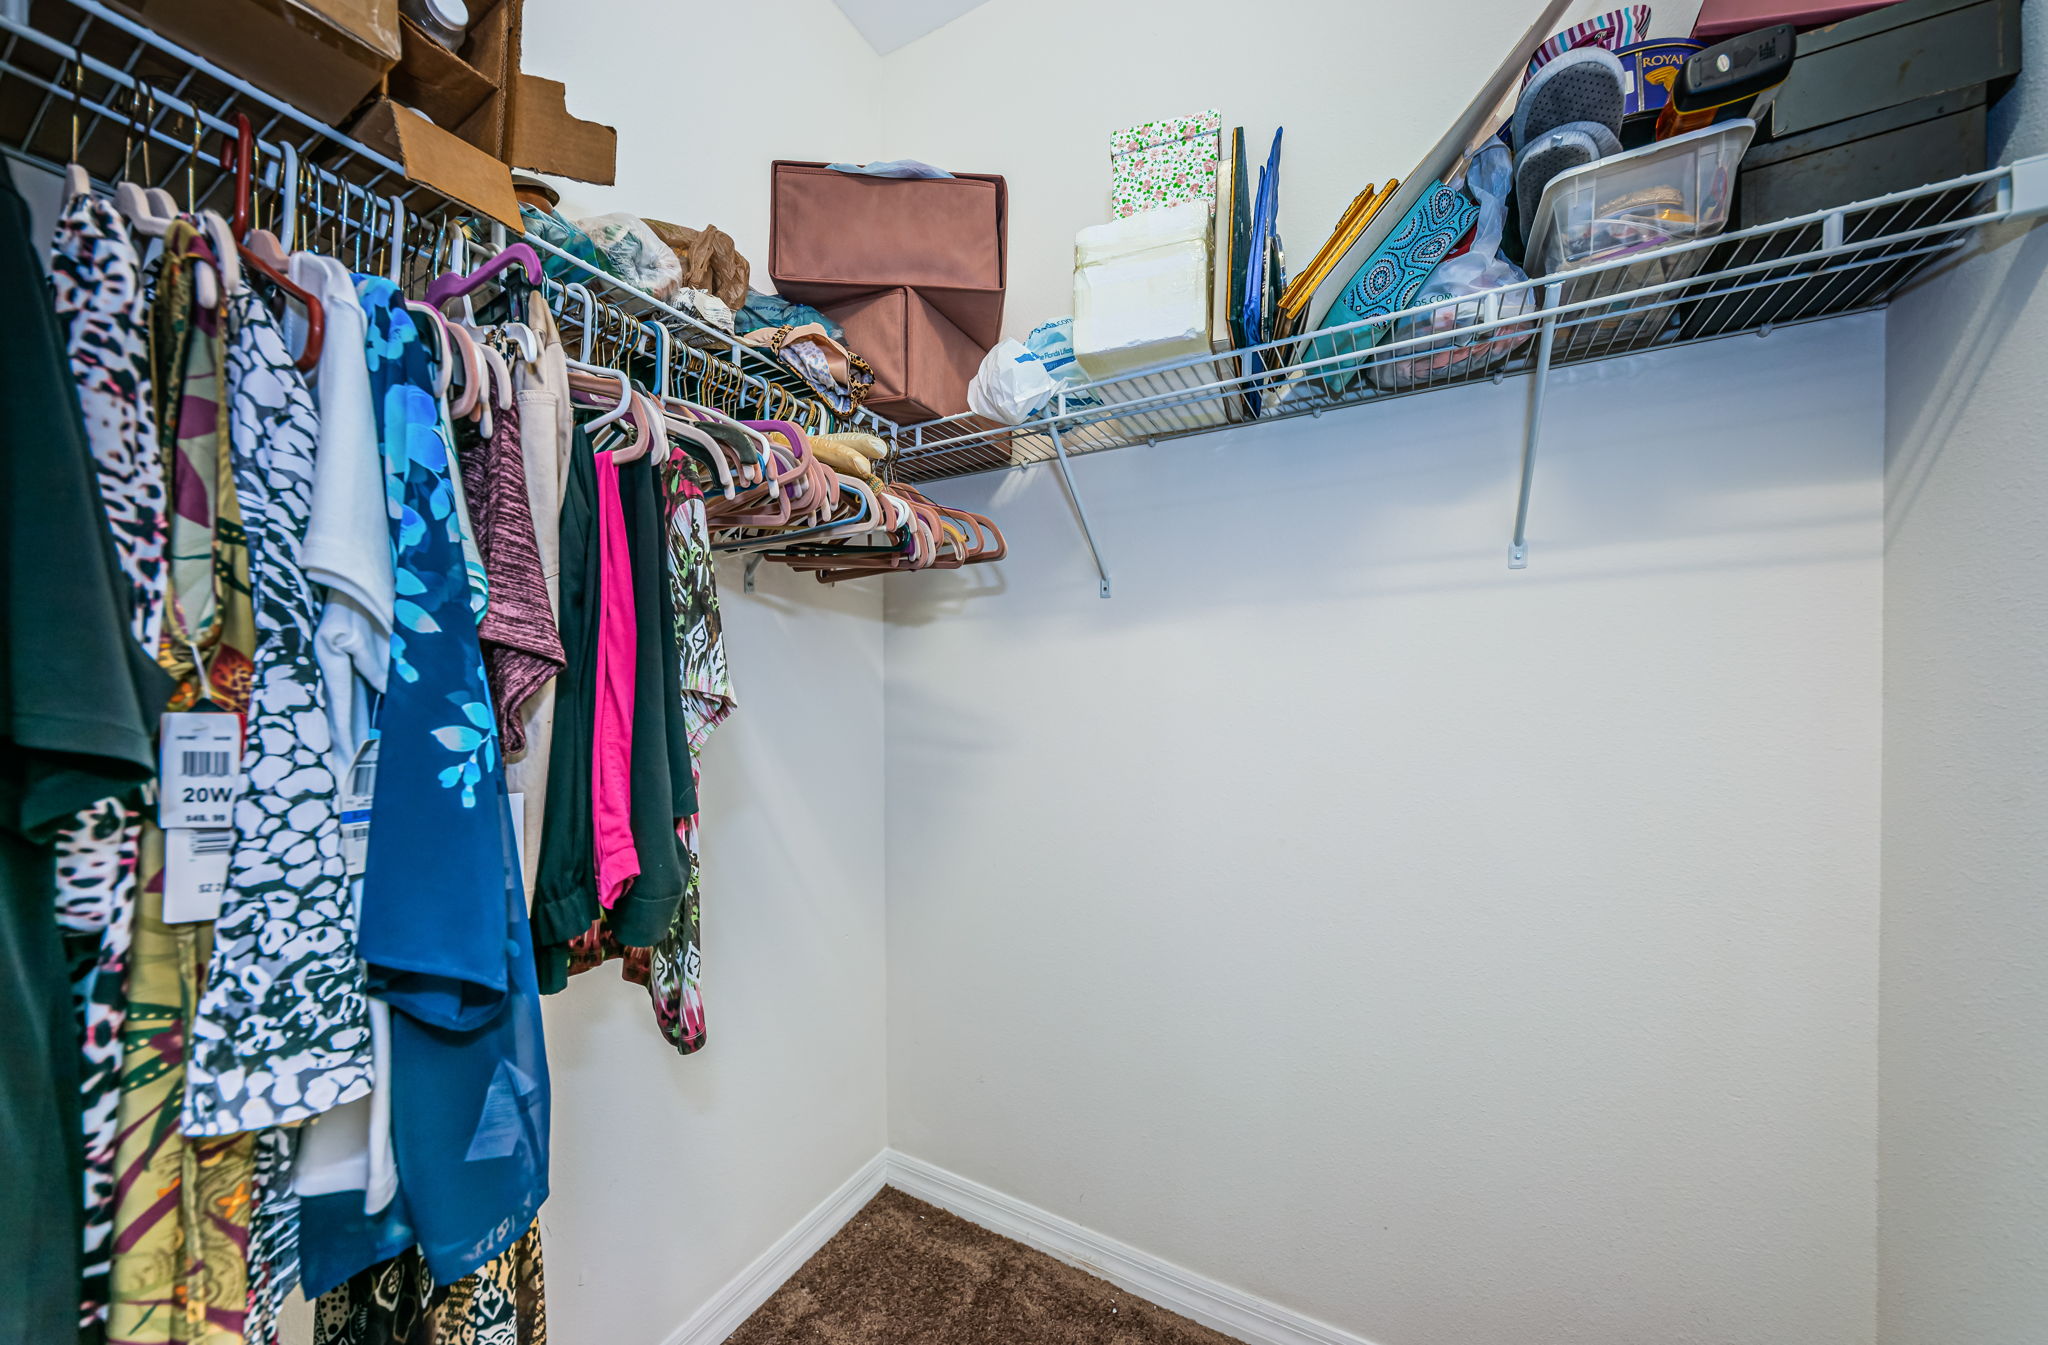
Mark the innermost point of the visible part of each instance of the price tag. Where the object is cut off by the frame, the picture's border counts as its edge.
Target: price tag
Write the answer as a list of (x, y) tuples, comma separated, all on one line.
[(201, 770), (195, 873), (356, 793)]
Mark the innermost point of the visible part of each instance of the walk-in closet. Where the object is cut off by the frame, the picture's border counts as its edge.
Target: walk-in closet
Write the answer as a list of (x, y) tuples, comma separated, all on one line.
[(1023, 672)]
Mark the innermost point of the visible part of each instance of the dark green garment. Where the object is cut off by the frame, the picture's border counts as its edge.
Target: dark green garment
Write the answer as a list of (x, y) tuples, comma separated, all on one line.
[(565, 884), (78, 710), (660, 746), (682, 770)]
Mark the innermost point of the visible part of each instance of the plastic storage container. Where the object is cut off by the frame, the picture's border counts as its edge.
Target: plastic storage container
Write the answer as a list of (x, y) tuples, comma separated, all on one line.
[(1671, 192)]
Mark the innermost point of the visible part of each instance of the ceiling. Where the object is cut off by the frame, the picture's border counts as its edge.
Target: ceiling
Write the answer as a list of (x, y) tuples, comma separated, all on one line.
[(889, 24)]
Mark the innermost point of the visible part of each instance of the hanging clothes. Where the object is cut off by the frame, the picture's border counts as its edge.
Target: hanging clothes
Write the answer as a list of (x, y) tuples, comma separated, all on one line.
[(102, 307), (545, 427), (565, 899), (398, 1303), (282, 1031), (611, 769), (676, 963), (693, 663), (78, 709), (444, 922), (348, 550), (522, 649), (273, 1235), (182, 1208), (663, 792)]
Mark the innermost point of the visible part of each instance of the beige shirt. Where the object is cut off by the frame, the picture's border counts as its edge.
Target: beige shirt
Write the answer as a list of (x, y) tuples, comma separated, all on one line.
[(546, 422)]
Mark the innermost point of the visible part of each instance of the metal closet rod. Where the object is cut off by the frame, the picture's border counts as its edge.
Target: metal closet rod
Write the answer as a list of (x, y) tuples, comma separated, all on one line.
[(738, 354)]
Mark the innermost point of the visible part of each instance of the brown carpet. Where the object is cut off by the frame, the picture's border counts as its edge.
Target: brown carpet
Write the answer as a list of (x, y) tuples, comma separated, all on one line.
[(904, 1271)]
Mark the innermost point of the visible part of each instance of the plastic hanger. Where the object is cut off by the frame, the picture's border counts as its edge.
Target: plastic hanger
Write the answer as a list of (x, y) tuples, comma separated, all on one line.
[(471, 393), (438, 325), (238, 153), (452, 285), (626, 408)]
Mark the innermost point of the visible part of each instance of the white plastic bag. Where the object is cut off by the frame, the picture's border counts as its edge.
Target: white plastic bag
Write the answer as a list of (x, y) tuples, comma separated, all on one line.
[(1478, 268), (636, 255), (1010, 385), (1053, 343)]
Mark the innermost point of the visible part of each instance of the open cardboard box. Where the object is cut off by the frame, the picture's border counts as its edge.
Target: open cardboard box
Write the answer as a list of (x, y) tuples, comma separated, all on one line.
[(480, 94), (543, 136), (441, 160), (321, 56)]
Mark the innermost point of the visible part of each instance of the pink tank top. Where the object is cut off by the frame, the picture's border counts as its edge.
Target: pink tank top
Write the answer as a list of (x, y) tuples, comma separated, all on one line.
[(611, 775)]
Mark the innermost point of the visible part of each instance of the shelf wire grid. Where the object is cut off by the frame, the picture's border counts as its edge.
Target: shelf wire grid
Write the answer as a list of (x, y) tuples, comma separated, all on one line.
[(1827, 264)]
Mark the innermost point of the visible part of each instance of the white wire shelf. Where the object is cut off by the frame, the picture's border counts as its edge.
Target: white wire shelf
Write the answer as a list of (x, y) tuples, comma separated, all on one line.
[(1827, 264), (83, 82)]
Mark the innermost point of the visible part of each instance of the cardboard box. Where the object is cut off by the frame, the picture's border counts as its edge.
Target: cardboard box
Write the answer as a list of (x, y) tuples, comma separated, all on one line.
[(441, 160), (492, 48), (546, 139), (438, 83), (322, 56)]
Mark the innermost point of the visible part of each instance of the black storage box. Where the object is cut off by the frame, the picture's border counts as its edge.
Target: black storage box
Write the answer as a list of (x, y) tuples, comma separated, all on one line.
[(1899, 54), (1896, 149)]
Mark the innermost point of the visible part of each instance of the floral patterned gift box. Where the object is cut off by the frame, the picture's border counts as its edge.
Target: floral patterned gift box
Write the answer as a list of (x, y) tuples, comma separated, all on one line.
[(1166, 162)]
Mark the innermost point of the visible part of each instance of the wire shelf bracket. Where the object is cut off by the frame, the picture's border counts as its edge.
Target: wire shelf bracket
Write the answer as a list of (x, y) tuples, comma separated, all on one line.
[(1080, 510), (1532, 430)]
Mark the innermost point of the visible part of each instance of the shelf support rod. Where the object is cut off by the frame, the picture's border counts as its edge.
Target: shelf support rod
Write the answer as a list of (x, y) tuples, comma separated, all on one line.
[(1074, 496), (1539, 380)]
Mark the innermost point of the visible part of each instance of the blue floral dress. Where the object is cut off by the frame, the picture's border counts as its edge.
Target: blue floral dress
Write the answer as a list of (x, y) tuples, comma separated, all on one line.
[(443, 924)]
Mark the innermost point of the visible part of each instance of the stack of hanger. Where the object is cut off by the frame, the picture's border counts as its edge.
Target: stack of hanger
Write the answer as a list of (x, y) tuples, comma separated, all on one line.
[(813, 500)]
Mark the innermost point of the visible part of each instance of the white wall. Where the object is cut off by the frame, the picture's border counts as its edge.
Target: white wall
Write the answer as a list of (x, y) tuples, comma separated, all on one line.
[(1965, 1112), (672, 1174), (1448, 953), (705, 93), (1032, 89)]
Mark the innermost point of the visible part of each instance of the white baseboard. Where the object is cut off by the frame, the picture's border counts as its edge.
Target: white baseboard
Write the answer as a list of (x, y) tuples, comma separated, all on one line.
[(748, 1290), (1197, 1297)]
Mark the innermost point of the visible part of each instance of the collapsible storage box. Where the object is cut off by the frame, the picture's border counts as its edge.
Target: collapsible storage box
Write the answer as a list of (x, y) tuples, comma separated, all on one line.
[(837, 236), (922, 361)]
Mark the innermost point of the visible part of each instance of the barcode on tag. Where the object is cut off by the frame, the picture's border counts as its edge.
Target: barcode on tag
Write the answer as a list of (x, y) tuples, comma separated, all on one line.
[(195, 873), (355, 808), (201, 770), (212, 842)]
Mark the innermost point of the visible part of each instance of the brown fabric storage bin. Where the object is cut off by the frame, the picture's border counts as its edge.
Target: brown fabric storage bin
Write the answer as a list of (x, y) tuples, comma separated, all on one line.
[(922, 362), (836, 236)]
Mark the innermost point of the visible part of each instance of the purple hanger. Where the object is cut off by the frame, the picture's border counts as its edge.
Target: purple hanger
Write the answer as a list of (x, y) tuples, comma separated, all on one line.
[(453, 285)]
